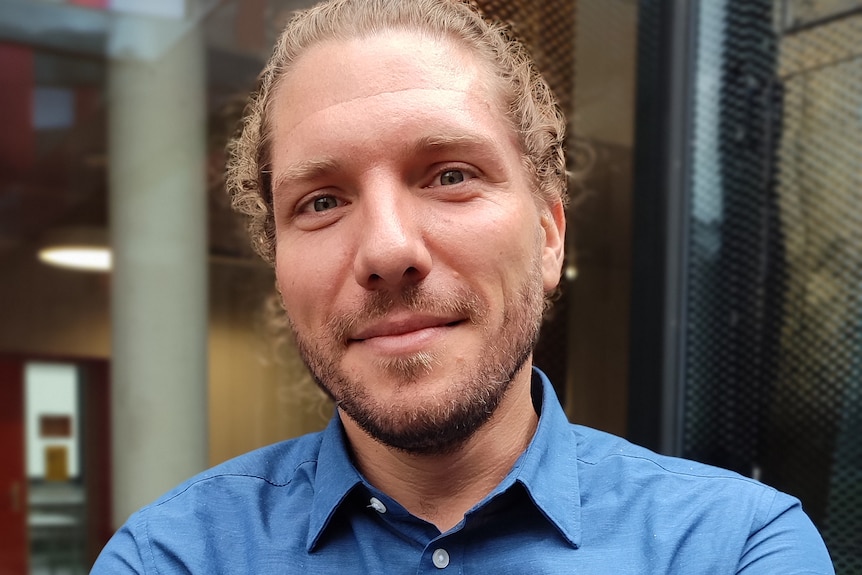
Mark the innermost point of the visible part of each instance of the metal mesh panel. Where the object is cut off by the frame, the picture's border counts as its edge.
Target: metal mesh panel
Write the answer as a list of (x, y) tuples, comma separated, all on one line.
[(820, 190), (773, 361), (730, 340), (547, 28)]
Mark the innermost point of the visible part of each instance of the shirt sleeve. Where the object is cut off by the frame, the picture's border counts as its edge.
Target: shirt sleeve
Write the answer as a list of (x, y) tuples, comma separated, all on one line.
[(785, 542), (122, 555)]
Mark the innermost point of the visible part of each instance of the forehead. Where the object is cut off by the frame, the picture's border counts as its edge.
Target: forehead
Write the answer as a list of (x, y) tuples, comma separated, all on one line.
[(336, 73)]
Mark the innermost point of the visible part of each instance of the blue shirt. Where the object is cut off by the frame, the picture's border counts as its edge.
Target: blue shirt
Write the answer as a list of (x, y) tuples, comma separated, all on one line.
[(576, 501)]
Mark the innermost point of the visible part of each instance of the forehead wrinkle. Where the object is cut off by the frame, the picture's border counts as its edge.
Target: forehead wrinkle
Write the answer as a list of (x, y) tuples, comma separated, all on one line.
[(306, 115)]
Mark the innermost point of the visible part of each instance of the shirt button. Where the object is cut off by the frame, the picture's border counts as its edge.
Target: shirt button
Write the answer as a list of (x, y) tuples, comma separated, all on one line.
[(377, 505), (440, 557)]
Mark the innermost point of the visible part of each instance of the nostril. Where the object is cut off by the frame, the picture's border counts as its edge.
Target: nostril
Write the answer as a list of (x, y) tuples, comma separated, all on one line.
[(380, 263), (412, 272)]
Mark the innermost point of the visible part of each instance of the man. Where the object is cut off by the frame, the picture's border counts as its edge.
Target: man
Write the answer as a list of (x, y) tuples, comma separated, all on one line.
[(402, 166)]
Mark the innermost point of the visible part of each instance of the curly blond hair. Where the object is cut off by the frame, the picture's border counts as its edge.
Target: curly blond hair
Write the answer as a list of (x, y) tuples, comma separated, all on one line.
[(531, 106)]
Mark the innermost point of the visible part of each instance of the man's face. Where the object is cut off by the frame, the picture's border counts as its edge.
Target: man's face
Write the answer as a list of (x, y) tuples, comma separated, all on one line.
[(411, 254)]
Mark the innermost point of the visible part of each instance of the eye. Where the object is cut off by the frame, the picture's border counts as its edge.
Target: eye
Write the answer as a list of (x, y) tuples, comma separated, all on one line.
[(324, 203), (451, 177)]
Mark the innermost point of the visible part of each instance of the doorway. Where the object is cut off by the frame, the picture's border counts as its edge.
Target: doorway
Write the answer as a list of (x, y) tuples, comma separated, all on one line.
[(55, 472)]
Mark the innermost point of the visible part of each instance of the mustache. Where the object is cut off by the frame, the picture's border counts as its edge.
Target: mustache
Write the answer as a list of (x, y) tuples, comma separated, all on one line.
[(417, 299)]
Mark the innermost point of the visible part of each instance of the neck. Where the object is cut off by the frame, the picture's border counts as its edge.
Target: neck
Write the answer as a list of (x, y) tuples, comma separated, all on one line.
[(442, 488)]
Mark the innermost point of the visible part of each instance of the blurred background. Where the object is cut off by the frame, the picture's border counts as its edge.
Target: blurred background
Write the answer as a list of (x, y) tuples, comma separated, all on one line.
[(712, 305)]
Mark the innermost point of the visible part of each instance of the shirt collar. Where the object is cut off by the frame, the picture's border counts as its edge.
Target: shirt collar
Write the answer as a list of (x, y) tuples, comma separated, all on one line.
[(548, 469), (334, 480)]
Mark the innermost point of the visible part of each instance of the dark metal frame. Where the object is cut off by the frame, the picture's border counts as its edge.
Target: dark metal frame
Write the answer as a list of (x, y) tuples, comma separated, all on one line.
[(666, 66)]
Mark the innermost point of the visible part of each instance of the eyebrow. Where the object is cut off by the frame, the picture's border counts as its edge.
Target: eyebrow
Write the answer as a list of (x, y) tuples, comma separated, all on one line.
[(305, 170), (309, 170), (446, 141)]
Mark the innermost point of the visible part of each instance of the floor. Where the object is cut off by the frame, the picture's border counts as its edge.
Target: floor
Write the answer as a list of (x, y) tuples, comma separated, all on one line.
[(57, 529)]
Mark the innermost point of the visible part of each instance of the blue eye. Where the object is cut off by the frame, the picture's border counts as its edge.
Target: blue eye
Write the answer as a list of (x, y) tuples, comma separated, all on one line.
[(324, 203), (451, 177)]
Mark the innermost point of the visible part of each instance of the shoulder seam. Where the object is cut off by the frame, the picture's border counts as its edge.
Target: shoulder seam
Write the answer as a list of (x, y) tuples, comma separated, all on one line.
[(146, 526), (727, 474), (207, 478)]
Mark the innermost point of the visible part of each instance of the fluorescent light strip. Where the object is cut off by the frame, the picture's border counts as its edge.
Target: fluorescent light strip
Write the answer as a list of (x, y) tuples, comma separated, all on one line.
[(87, 258)]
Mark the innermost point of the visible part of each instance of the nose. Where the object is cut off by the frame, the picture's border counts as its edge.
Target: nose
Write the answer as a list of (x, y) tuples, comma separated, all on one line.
[(392, 252)]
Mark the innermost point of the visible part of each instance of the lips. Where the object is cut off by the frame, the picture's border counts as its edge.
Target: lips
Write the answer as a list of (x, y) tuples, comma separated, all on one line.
[(394, 327), (403, 335)]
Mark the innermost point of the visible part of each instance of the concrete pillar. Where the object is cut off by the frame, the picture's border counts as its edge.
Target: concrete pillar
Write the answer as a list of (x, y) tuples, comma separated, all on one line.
[(157, 131)]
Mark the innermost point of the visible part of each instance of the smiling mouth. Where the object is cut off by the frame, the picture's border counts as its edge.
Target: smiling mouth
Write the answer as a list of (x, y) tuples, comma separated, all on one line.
[(400, 331), (399, 339)]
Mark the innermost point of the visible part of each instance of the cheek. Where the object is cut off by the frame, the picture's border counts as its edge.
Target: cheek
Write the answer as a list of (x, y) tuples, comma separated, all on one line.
[(496, 263), (491, 236), (304, 257), (290, 297), (307, 281)]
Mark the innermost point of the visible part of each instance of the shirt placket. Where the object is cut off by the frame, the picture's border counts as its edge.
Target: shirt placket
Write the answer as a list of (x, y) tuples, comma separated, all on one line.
[(442, 556)]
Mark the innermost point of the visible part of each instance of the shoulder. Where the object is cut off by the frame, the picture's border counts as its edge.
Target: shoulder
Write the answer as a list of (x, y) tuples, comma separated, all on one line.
[(613, 469), (279, 477), (698, 511), (278, 464), (666, 483), (209, 519), (600, 449)]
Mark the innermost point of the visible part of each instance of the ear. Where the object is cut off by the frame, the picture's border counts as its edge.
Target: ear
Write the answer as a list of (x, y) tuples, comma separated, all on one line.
[(553, 250)]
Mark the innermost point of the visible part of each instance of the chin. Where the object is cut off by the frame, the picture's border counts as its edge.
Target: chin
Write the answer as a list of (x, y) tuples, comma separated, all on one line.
[(409, 368)]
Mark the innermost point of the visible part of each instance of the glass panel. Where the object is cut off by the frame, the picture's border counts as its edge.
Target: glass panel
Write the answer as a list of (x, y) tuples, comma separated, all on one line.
[(799, 13), (773, 308), (598, 273)]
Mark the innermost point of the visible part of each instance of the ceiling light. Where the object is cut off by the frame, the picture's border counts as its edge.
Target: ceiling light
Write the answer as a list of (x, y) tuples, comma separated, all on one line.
[(83, 249), (77, 257)]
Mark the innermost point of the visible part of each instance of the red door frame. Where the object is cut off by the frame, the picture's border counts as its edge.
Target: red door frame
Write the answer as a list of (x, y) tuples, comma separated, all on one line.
[(96, 434), (14, 539), (96, 446)]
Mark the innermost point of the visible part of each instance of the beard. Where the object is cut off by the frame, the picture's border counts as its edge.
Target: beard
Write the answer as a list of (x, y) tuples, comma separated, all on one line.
[(444, 423)]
